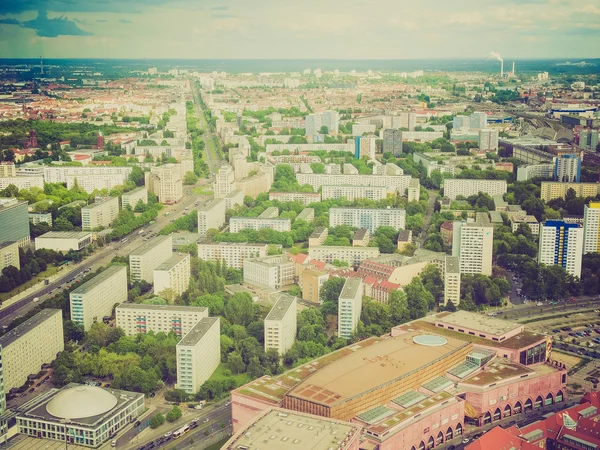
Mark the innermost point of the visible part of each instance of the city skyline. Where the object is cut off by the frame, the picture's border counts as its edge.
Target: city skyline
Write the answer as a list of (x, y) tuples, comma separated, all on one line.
[(270, 30)]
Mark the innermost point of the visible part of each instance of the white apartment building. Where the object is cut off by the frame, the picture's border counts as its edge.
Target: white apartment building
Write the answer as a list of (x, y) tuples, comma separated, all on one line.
[(561, 244), (305, 198), (303, 148), (530, 221), (367, 146), (198, 354), (407, 120), (95, 299), (272, 271), (61, 174), (37, 218), (350, 255), (354, 192), (567, 169), (26, 347), (591, 228), (132, 198), (453, 187), (166, 182), (256, 223), (90, 183), (224, 181), (421, 136), (147, 257), (313, 124), (22, 182), (349, 307), (369, 218), (331, 119), (359, 130), (211, 215), (525, 173), (387, 169), (101, 214), (413, 191), (281, 324), (7, 169), (232, 253), (488, 140), (473, 245), (307, 214), (134, 318), (63, 241), (234, 198), (9, 255), (398, 183), (452, 281), (173, 274)]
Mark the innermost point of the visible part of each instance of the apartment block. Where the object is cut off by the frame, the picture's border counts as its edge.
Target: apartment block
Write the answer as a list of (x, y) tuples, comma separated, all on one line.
[(91, 183), (224, 181), (588, 139), (281, 324), (554, 189), (132, 198), (318, 236), (354, 192), (7, 169), (392, 141), (28, 346), (473, 245), (271, 271), (9, 255), (567, 169), (525, 173), (349, 307), (14, 221), (307, 214), (413, 191), (452, 280), (453, 187), (529, 220), (95, 299), (135, 318), (331, 119), (256, 223), (22, 182), (234, 198), (234, 254), (488, 140), (303, 197), (147, 257), (312, 282), (397, 183), (561, 244), (211, 215), (257, 184), (302, 148), (349, 169), (173, 274), (313, 124), (198, 354), (350, 255), (37, 218), (359, 130), (591, 228), (61, 174), (166, 182), (369, 218), (63, 241), (99, 215)]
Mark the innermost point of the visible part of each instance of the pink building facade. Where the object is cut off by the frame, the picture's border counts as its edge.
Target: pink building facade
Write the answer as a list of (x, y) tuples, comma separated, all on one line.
[(245, 409)]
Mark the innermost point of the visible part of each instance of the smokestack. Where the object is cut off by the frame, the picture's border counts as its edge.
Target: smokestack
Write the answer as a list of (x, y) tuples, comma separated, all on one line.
[(513, 68), (501, 69)]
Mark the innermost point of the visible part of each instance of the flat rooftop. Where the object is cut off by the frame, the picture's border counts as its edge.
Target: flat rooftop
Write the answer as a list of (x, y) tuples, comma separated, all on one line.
[(173, 261), (98, 279), (199, 331), (281, 307), (351, 287), (133, 191), (211, 204), (366, 369), (281, 429), (172, 308), (496, 371), (317, 232), (480, 322), (102, 203), (65, 235), (360, 234), (27, 326), (452, 264), (142, 249)]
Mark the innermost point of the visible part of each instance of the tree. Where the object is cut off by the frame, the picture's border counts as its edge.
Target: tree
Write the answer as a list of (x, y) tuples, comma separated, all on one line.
[(324, 129), (157, 420), (331, 289), (398, 303), (235, 363), (255, 369), (73, 331), (174, 414), (271, 361), (239, 309), (137, 176), (418, 298), (190, 178)]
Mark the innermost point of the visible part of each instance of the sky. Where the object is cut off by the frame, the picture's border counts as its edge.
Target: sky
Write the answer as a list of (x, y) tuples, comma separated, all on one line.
[(304, 29)]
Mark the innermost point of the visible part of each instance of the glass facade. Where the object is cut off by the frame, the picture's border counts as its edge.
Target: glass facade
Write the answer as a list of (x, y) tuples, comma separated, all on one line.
[(14, 222)]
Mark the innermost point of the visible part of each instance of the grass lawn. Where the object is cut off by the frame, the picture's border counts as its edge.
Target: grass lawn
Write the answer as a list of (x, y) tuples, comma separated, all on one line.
[(51, 270), (219, 374), (202, 190)]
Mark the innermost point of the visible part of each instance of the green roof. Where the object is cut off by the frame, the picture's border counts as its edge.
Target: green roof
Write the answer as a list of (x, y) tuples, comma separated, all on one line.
[(438, 384), (376, 414), (409, 398)]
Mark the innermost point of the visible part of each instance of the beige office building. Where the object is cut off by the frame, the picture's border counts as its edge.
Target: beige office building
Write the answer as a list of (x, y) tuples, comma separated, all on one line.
[(198, 354), (473, 243), (397, 183), (135, 318), (144, 259), (312, 282), (551, 190), (173, 274), (211, 215), (281, 324), (453, 187), (101, 214), (166, 182), (26, 347), (271, 271), (452, 280), (9, 255), (132, 198), (232, 253), (95, 299), (350, 255), (349, 307)]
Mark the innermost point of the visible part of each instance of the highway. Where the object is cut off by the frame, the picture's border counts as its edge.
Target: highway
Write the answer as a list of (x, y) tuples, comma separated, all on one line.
[(101, 257), (210, 155)]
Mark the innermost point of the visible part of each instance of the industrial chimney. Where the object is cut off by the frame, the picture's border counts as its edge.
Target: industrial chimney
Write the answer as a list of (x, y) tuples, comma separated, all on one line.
[(501, 69)]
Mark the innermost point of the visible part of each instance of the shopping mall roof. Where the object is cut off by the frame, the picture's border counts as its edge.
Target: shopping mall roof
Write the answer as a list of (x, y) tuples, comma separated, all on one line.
[(502, 369), (480, 322), (282, 429), (368, 368)]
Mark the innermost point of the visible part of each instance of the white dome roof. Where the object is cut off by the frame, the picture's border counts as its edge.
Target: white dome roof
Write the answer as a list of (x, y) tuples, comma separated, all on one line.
[(81, 402)]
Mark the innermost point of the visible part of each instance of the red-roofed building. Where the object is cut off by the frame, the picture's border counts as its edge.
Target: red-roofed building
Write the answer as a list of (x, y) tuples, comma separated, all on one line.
[(447, 230), (501, 439), (375, 269)]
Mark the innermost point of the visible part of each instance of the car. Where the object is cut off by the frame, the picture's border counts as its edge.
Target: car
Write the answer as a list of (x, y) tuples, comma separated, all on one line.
[(150, 445), (205, 420), (36, 299), (138, 423), (466, 440), (113, 443), (169, 434), (477, 436), (452, 447)]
